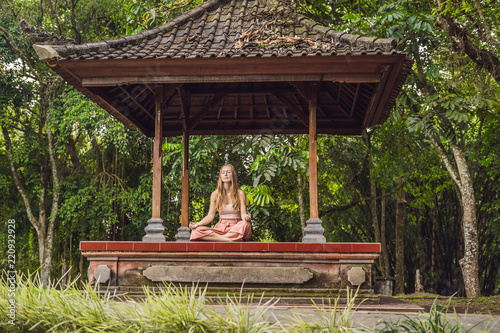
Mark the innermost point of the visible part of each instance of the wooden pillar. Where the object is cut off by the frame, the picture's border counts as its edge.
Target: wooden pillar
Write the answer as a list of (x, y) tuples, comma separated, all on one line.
[(313, 232), (157, 154), (185, 170), (313, 152), (183, 234), (154, 229)]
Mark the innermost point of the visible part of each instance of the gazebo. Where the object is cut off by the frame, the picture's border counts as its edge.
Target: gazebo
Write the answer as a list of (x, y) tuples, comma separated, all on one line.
[(229, 68)]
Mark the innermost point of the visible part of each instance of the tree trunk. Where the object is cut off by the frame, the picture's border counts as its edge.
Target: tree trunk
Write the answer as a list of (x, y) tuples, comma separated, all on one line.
[(73, 154), (64, 265), (433, 247), (470, 261), (462, 178), (48, 244), (383, 242), (400, 236), (44, 227), (373, 209), (80, 269)]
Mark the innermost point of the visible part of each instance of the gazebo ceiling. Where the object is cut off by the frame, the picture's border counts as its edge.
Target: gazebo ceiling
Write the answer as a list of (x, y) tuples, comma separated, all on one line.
[(238, 67)]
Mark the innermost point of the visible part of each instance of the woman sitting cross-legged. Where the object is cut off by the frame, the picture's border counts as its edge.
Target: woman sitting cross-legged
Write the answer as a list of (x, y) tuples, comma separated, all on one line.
[(230, 201)]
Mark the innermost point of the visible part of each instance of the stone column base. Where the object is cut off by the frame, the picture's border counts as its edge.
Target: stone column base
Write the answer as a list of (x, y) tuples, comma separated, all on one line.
[(154, 231), (313, 232), (183, 235)]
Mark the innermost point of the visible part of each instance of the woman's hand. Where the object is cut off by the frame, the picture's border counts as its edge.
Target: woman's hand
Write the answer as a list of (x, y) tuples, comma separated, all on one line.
[(193, 225), (248, 217)]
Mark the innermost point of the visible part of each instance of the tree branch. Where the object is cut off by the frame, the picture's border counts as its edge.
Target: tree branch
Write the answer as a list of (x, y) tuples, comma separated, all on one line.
[(444, 157), (56, 190), (10, 41), (17, 181), (482, 57)]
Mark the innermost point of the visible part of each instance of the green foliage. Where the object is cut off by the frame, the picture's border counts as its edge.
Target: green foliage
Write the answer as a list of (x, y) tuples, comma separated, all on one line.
[(331, 319), (152, 13), (68, 309), (436, 322)]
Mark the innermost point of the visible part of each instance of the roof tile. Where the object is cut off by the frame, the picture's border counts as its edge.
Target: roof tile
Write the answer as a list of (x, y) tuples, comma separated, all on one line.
[(220, 28)]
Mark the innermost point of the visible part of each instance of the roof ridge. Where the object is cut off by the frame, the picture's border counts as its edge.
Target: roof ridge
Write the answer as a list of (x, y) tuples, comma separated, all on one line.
[(386, 44)]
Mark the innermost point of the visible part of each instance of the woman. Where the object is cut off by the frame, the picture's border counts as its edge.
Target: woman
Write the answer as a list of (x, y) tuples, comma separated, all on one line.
[(230, 202)]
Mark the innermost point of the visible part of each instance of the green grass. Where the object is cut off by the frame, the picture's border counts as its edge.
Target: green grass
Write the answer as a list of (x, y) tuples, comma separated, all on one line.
[(330, 320), (436, 322), (477, 305), (181, 309)]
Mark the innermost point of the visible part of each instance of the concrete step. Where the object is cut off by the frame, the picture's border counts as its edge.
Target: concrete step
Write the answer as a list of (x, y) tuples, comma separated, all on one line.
[(282, 298), (319, 296)]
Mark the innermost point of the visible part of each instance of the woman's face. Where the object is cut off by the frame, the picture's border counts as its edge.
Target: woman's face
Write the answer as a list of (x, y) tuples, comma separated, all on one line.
[(226, 174)]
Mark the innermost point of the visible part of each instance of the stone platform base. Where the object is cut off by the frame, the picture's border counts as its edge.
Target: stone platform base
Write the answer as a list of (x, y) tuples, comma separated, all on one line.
[(248, 295), (256, 265)]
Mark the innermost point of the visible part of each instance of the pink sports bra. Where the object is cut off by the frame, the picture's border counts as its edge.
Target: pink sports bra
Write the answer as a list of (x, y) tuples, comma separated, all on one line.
[(228, 212)]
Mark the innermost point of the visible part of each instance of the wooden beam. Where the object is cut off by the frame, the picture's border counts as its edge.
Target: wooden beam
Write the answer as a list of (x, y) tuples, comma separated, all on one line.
[(394, 72), (236, 107), (203, 112), (301, 89), (185, 100), (354, 100), (114, 107), (312, 98), (220, 108), (157, 160), (267, 107), (247, 91), (252, 131), (169, 90), (287, 102), (148, 69), (329, 88), (132, 98), (114, 80), (251, 106), (209, 104), (374, 101)]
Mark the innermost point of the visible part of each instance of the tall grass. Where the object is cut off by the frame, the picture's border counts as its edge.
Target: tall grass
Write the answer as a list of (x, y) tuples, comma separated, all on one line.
[(330, 319), (54, 309), (42, 308), (245, 318), (174, 309), (437, 322)]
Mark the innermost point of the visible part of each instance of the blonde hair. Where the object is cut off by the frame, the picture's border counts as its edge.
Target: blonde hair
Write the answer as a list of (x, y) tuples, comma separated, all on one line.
[(233, 190)]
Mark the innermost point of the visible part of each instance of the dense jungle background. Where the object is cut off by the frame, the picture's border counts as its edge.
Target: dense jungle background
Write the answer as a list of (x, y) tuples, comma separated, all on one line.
[(426, 184)]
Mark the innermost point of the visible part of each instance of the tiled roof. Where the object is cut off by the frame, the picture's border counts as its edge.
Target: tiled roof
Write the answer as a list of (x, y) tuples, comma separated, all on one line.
[(241, 28)]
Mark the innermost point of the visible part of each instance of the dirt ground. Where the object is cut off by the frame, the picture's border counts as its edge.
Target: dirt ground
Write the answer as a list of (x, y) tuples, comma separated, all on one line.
[(479, 305)]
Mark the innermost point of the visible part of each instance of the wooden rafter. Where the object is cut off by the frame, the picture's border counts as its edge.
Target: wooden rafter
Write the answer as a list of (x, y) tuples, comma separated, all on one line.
[(132, 98), (329, 88), (236, 107), (211, 103), (354, 100), (112, 105), (267, 107), (251, 106), (286, 101), (169, 91)]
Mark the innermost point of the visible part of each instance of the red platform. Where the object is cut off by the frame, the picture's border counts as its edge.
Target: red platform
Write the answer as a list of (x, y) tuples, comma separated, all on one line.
[(233, 247), (331, 264)]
